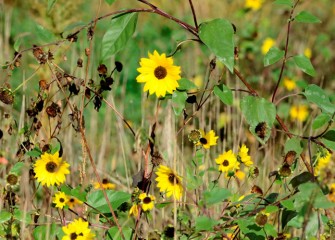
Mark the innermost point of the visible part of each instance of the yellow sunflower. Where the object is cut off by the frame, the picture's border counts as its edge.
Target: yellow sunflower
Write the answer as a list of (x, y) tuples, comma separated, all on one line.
[(169, 182), (159, 74), (227, 162), (322, 160), (147, 201), (51, 169), (134, 210), (244, 157), (208, 140), (78, 229), (289, 84), (106, 184), (60, 200), (299, 112), (253, 4), (72, 202), (267, 44)]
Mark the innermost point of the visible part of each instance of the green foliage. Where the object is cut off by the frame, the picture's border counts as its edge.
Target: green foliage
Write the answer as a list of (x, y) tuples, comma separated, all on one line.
[(178, 102), (114, 234), (224, 93), (304, 64), (314, 94), (273, 56), (306, 17)]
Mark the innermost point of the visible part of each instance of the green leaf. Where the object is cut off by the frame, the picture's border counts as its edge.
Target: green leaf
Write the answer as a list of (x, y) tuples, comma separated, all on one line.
[(22, 216), (270, 230), (284, 2), (304, 64), (74, 25), (78, 193), (186, 85), (114, 234), (316, 95), (43, 34), (216, 195), (193, 181), (224, 93), (218, 36), (301, 178), (320, 121), (306, 17), (47, 231), (271, 209), (258, 111), (178, 102), (16, 169), (17, 44), (120, 31), (293, 144), (329, 144), (330, 135), (288, 204), (273, 56), (36, 152), (110, 2), (51, 4), (4, 216), (162, 204), (116, 198), (204, 223)]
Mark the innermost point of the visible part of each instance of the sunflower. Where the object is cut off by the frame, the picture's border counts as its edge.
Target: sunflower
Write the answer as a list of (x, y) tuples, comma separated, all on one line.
[(267, 44), (227, 162), (78, 229), (322, 160), (147, 201), (51, 169), (106, 184), (244, 157), (208, 140), (72, 202), (169, 182), (159, 74), (60, 200)]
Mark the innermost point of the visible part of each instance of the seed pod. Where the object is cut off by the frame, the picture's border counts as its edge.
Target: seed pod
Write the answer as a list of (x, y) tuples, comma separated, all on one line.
[(260, 130)]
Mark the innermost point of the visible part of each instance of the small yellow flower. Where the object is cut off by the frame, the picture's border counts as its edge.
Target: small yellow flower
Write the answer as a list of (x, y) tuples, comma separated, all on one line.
[(159, 74), (227, 162), (299, 112), (331, 195), (134, 210), (72, 202), (147, 201), (244, 156), (308, 53), (208, 140), (253, 4), (289, 84), (267, 44), (106, 184), (169, 182), (78, 229), (322, 160), (51, 169), (240, 174), (60, 200)]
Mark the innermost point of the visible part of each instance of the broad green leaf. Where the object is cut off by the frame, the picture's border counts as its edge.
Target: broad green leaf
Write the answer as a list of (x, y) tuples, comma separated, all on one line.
[(260, 114), (162, 204), (204, 223), (216, 195), (116, 198), (4, 216), (110, 2), (51, 4), (312, 226), (287, 216), (36, 152), (114, 234), (293, 144), (186, 85), (16, 169), (315, 94), (79, 193), (320, 121), (306, 17), (120, 31), (329, 144), (22, 216), (74, 25), (288, 204), (270, 230), (330, 135), (224, 93), (302, 178), (322, 202), (43, 34), (218, 36), (273, 56), (271, 209), (47, 231), (193, 181), (284, 2), (178, 102), (17, 44), (304, 64)]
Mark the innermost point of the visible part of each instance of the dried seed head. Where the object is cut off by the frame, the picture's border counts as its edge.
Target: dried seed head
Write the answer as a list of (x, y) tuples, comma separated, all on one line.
[(80, 62), (290, 157), (53, 110), (260, 130), (102, 69), (253, 172), (261, 219), (12, 179), (285, 170), (43, 84), (156, 158), (6, 96), (256, 189), (194, 136)]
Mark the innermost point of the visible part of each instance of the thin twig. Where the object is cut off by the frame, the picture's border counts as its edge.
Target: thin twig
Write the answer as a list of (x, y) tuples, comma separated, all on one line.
[(194, 15)]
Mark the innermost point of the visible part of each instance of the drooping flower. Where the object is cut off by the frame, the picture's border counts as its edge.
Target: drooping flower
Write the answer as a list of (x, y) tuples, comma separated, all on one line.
[(73, 201), (289, 84), (227, 162), (208, 140), (133, 210), (244, 157), (322, 160), (299, 113), (159, 74), (51, 169), (267, 44), (253, 4), (147, 201), (106, 184), (169, 182), (78, 229), (60, 199), (308, 52)]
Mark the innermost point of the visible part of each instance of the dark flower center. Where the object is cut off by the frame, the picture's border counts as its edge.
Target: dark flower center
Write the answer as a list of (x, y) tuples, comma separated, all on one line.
[(147, 200), (104, 181), (203, 141), (12, 179), (73, 236), (51, 167), (225, 163), (61, 200), (160, 72), (71, 200), (172, 179)]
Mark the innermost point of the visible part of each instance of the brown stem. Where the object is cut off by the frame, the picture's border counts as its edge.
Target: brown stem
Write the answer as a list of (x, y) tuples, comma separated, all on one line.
[(194, 15)]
